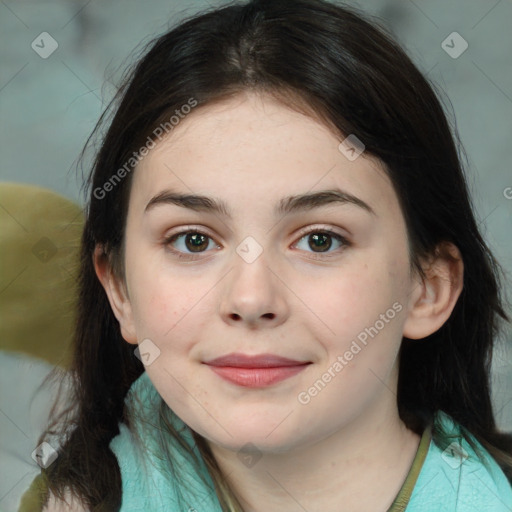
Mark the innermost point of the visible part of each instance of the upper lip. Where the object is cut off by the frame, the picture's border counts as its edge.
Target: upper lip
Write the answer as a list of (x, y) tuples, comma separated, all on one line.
[(237, 360)]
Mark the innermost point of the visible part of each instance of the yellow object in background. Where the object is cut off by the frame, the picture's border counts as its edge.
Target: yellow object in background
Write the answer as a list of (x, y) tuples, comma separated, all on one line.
[(40, 235)]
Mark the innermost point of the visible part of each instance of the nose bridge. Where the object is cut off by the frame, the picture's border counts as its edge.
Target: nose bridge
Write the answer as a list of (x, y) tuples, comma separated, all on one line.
[(253, 293), (252, 278)]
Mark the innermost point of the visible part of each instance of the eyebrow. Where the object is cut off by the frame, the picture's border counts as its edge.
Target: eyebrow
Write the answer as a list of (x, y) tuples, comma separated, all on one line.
[(287, 205)]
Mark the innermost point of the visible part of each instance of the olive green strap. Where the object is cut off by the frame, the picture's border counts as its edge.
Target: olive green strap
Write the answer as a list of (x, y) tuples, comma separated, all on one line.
[(402, 499)]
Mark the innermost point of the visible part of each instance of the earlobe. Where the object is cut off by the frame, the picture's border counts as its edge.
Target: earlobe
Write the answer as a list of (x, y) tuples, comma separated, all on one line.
[(116, 293), (433, 299)]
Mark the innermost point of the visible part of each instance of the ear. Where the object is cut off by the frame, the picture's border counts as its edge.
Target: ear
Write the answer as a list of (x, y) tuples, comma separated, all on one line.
[(117, 294), (432, 299)]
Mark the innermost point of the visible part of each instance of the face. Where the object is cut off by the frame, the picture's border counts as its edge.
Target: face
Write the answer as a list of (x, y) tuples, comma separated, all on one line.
[(323, 283)]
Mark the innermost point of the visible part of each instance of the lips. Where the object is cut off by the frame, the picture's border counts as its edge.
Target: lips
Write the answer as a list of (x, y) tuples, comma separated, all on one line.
[(259, 361), (255, 371)]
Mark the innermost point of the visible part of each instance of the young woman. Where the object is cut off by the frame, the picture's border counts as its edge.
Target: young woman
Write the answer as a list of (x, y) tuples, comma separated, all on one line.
[(286, 303)]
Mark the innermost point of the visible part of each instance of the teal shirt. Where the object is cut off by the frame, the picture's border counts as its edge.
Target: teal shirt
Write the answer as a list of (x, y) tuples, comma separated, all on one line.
[(452, 479)]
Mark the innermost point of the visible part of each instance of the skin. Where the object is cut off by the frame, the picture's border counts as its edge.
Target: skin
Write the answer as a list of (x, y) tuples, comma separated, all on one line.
[(348, 444)]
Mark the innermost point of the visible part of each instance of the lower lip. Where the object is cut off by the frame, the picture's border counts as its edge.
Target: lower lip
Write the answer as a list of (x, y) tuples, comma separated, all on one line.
[(257, 377)]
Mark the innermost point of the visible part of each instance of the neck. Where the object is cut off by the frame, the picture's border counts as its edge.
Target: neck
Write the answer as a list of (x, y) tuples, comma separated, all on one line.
[(362, 467)]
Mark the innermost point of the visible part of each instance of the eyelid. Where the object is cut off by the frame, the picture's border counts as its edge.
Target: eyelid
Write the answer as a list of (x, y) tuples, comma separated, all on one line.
[(320, 227), (183, 230)]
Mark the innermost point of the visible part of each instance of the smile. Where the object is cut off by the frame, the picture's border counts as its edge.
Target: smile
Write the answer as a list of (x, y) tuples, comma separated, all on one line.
[(255, 371)]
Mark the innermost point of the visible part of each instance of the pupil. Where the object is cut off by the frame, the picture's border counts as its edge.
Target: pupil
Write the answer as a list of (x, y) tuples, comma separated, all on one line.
[(197, 240), (319, 240)]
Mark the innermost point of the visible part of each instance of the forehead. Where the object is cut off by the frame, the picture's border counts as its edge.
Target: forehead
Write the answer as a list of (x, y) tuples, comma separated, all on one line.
[(251, 149)]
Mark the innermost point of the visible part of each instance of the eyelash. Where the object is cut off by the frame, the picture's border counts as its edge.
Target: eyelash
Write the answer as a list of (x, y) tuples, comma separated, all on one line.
[(316, 256)]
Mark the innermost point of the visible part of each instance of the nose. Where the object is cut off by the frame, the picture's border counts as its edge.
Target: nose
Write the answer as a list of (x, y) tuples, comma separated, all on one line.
[(254, 295)]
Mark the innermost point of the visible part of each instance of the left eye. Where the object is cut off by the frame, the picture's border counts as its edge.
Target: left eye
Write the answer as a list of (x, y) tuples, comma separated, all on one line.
[(322, 240)]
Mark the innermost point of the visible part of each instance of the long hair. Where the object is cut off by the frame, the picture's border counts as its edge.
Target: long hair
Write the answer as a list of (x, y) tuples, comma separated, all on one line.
[(332, 63)]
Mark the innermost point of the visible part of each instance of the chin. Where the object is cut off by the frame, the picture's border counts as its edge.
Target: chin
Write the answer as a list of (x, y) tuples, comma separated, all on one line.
[(257, 437)]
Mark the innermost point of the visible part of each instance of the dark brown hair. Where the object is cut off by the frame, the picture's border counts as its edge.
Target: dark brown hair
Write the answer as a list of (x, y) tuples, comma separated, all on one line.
[(330, 61)]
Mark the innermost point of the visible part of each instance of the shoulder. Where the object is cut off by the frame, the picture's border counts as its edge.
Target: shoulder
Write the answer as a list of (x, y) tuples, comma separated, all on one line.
[(38, 498), (70, 504), (459, 475)]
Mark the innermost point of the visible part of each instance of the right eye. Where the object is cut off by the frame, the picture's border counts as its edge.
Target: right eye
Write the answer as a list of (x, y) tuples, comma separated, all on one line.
[(185, 244)]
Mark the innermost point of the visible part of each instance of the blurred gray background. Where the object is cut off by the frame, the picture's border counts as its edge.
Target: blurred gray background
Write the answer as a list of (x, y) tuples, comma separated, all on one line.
[(50, 103)]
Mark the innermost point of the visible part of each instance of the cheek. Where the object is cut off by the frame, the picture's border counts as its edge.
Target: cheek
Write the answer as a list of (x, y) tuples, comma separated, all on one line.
[(161, 311), (170, 308), (157, 303), (346, 303)]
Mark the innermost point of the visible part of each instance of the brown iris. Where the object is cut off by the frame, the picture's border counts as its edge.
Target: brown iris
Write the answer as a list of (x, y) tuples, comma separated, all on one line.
[(196, 242), (321, 241)]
